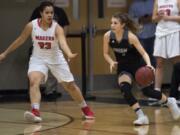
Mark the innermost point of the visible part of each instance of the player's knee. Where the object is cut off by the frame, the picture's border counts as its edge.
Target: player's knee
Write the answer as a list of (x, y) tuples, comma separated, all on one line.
[(159, 64), (69, 86), (34, 83), (150, 92), (126, 87)]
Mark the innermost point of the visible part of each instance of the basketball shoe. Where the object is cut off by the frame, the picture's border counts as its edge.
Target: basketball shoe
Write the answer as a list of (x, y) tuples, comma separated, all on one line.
[(173, 107), (33, 116), (88, 114), (143, 120)]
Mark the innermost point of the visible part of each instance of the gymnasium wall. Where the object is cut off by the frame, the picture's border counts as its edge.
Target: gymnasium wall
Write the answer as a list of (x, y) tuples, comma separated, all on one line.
[(13, 70)]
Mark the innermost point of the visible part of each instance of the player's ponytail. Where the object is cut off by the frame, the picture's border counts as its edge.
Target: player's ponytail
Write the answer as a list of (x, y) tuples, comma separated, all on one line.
[(129, 23)]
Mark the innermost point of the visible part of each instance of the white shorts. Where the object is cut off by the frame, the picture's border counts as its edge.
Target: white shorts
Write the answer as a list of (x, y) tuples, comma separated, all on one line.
[(60, 71), (167, 46)]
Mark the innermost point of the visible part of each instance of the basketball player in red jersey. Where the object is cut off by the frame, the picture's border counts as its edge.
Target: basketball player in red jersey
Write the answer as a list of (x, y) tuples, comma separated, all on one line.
[(128, 52), (46, 55)]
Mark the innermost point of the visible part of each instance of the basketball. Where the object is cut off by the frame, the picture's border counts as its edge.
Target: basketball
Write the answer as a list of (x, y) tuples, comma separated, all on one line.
[(144, 76)]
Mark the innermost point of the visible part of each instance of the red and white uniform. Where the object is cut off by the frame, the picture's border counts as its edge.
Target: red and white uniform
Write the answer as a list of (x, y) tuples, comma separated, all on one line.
[(45, 44), (170, 8), (167, 42), (47, 54)]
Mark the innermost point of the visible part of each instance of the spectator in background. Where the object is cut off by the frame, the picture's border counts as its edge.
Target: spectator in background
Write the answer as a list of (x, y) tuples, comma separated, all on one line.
[(51, 87), (141, 11)]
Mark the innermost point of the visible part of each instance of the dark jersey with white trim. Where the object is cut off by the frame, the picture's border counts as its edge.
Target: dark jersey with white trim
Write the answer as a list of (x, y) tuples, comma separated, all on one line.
[(127, 56), (123, 50)]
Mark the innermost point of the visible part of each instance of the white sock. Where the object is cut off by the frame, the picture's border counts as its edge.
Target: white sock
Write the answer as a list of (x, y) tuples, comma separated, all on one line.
[(139, 112), (83, 104), (168, 102), (158, 89), (36, 106)]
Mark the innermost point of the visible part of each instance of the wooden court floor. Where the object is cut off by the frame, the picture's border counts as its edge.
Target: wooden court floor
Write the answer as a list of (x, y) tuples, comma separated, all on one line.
[(64, 118)]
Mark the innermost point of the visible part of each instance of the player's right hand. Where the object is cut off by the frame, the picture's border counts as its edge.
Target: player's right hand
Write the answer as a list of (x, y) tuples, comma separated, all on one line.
[(151, 67), (113, 65), (2, 56)]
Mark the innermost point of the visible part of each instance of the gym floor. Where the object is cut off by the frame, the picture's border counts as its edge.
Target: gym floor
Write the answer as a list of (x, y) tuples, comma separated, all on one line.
[(63, 117)]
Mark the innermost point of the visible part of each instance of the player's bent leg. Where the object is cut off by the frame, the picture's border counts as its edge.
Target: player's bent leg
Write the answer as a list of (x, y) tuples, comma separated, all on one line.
[(159, 73), (171, 102), (35, 79), (125, 88), (150, 92), (173, 107), (142, 119), (75, 93), (125, 85)]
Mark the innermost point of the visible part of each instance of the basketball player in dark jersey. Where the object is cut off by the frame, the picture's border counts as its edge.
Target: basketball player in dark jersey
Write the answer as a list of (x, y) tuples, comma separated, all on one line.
[(128, 52)]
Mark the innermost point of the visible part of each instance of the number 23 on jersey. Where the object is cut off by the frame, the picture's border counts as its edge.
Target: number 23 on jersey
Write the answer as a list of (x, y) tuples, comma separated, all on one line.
[(44, 45)]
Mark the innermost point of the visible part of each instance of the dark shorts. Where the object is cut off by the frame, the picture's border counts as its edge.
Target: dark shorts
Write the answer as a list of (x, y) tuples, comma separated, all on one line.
[(129, 68)]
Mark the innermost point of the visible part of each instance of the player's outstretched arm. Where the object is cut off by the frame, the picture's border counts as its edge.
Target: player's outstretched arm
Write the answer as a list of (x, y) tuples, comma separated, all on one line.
[(18, 42)]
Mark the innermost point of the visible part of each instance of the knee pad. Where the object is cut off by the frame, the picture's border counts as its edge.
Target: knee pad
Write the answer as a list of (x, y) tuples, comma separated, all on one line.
[(125, 88), (150, 92)]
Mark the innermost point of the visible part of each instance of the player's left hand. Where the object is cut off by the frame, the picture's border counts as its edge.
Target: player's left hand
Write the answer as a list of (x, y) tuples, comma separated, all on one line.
[(71, 56), (151, 67)]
